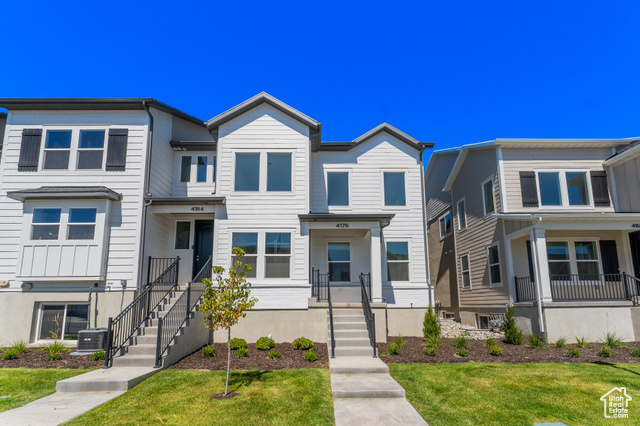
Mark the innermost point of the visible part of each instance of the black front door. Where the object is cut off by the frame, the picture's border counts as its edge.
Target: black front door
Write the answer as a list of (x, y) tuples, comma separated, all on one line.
[(634, 240), (203, 247)]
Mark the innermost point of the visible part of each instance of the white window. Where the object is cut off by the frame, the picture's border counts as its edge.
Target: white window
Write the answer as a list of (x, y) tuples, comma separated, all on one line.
[(462, 215), (488, 197), (398, 261), (339, 256), (82, 224), (62, 321), (277, 255), (564, 188), (445, 225), (279, 171), (394, 189), (183, 235), (45, 224), (247, 241), (482, 322), (493, 259), (197, 168), (464, 269), (91, 149), (337, 188), (263, 172), (185, 168), (57, 147), (573, 257), (201, 169)]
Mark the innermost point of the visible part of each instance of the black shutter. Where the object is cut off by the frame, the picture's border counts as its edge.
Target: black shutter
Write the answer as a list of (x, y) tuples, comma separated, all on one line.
[(600, 189), (530, 259), (529, 190), (609, 253), (117, 149), (30, 150)]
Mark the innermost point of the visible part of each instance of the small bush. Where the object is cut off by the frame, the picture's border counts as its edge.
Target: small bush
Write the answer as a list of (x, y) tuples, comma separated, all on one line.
[(302, 343), (399, 342), (536, 341), (10, 354), (98, 356), (613, 341), (489, 343), (605, 352), (573, 353), (430, 324), (55, 347), (209, 351), (20, 347), (462, 352), (273, 354), (53, 356), (560, 343), (265, 343), (242, 352), (582, 342), (433, 341), (460, 341), (310, 356), (430, 351), (635, 352), (512, 334), (237, 343), (496, 351), (393, 349)]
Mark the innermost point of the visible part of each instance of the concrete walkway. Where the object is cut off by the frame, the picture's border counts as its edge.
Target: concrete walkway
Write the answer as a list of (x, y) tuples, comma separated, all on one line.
[(77, 395)]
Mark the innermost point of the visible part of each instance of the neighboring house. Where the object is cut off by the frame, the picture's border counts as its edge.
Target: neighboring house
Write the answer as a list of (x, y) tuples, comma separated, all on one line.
[(537, 223), (112, 191)]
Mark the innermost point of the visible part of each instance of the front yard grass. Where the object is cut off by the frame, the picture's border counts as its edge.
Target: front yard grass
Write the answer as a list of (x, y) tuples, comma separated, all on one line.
[(181, 397), (504, 394), (23, 385)]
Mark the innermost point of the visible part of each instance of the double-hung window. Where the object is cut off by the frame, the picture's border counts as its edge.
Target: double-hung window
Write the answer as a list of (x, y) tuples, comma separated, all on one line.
[(464, 270), (57, 148), (566, 258), (90, 149), (462, 215), (558, 258), (398, 261), (62, 321), (586, 258), (493, 259), (339, 255), (45, 224), (277, 254), (278, 171), (82, 224), (394, 189), (488, 197), (564, 188), (247, 241), (247, 176), (337, 188), (445, 225)]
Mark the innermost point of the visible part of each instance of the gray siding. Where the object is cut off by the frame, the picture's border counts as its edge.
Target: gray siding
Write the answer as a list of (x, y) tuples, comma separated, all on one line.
[(436, 199), (627, 177)]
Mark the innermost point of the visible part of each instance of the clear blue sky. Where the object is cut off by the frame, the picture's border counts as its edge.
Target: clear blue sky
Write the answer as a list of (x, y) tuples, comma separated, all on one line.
[(451, 72)]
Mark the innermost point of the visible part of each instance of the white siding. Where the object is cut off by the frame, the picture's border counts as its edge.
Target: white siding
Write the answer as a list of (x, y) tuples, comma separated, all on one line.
[(161, 180)]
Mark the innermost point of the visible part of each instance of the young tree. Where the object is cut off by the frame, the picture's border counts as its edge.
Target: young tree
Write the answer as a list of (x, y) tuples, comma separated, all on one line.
[(431, 327), (225, 302)]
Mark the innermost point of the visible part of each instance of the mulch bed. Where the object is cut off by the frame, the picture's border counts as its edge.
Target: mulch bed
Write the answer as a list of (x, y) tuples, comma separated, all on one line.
[(255, 359), (512, 354), (35, 358)]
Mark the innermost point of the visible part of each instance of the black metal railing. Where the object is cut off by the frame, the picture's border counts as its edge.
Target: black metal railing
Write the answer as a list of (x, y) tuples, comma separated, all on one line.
[(366, 278), (170, 324), (369, 316), (525, 289), (319, 285), (121, 328), (157, 266)]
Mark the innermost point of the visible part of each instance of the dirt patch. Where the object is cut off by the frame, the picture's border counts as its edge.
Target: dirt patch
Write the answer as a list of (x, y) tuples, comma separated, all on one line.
[(512, 354), (221, 395), (35, 358), (255, 359)]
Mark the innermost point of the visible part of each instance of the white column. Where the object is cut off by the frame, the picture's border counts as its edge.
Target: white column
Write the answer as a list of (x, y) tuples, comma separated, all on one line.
[(539, 248), (376, 264)]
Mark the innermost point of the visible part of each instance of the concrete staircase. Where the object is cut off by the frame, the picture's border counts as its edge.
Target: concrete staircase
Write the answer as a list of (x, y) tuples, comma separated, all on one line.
[(352, 337)]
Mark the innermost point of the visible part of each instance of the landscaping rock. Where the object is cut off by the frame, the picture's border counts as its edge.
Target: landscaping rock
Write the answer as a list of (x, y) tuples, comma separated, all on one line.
[(451, 329)]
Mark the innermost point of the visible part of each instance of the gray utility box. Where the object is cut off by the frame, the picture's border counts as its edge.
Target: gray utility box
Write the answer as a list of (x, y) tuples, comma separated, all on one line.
[(92, 339)]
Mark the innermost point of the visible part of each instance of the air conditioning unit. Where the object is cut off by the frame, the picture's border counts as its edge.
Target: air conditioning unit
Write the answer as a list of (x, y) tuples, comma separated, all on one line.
[(92, 339)]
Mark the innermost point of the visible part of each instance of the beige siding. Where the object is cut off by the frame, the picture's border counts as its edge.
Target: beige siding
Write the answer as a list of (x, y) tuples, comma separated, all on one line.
[(517, 160), (627, 177), (436, 199)]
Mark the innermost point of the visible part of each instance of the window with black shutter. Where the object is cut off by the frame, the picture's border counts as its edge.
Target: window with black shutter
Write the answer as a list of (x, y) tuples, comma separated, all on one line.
[(600, 189), (30, 150), (117, 150), (529, 189)]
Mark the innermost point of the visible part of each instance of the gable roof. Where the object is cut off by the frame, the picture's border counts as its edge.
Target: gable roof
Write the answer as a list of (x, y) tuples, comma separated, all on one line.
[(384, 127)]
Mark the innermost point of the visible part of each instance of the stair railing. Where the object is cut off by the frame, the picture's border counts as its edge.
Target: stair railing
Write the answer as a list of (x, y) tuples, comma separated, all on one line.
[(333, 336), (369, 316), (128, 322), (170, 324)]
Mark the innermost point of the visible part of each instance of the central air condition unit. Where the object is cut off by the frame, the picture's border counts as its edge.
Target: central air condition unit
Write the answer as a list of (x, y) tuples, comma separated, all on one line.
[(92, 339)]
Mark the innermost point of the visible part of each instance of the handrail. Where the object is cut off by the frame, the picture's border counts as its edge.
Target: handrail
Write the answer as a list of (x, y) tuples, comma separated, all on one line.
[(319, 285), (333, 338), (369, 316), (121, 328), (170, 324)]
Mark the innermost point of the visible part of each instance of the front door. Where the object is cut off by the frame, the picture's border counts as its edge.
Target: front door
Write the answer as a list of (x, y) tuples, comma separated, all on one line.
[(634, 240), (203, 244)]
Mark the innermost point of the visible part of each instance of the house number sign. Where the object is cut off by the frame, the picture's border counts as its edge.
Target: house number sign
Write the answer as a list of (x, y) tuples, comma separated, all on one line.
[(635, 225), (342, 225), (197, 209)]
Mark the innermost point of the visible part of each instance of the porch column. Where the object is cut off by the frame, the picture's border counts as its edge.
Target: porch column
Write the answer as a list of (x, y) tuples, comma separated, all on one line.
[(541, 270), (376, 264)]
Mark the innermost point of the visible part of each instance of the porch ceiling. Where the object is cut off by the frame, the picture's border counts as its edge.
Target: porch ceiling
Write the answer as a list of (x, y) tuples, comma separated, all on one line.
[(172, 201), (383, 219)]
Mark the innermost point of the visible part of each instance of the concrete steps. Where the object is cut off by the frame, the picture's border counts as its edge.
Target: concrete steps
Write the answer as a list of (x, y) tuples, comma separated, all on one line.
[(366, 385), (351, 335), (106, 380)]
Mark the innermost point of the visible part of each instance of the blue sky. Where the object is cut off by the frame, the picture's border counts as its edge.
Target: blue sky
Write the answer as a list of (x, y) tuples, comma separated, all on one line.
[(451, 72)]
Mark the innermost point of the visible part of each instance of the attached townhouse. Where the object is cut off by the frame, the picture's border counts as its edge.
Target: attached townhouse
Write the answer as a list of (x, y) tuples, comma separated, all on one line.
[(546, 225), (114, 197)]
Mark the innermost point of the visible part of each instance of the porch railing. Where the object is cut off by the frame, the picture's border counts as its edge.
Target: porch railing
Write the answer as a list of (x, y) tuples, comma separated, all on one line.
[(157, 266), (121, 328), (525, 289), (369, 316), (170, 324), (366, 279), (319, 285)]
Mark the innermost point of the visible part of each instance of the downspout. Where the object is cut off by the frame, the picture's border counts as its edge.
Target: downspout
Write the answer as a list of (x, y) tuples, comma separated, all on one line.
[(146, 193), (455, 252), (424, 228), (538, 281)]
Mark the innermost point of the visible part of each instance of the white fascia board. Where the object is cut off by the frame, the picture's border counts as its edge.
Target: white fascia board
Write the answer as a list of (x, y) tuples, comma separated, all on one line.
[(621, 158), (563, 143), (460, 162)]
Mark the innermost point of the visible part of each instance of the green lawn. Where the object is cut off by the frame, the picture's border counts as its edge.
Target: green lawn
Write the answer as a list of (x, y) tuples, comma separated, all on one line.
[(181, 397), (502, 394), (24, 385)]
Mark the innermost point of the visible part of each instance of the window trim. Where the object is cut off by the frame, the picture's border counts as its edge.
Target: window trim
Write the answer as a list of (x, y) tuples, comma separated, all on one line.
[(261, 252), (64, 318), (103, 149), (484, 199), (404, 206), (442, 216), (175, 234), (349, 192), (489, 265), (58, 223), (266, 255), (74, 149), (461, 201), (266, 172), (462, 271), (70, 224), (263, 173), (337, 240), (408, 261), (193, 169), (564, 190), (573, 262)]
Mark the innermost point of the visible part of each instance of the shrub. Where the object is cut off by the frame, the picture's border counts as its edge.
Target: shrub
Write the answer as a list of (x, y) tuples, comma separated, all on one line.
[(265, 343), (20, 347), (302, 343), (605, 352), (273, 354), (635, 352), (430, 324), (55, 347), (242, 352), (399, 342), (98, 356), (431, 351), (612, 341), (560, 343), (536, 341), (53, 356), (10, 354), (460, 341), (237, 343), (512, 334), (393, 349), (433, 341), (462, 352), (496, 351), (209, 351), (573, 353), (489, 343), (582, 342), (310, 356)]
